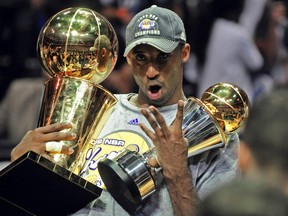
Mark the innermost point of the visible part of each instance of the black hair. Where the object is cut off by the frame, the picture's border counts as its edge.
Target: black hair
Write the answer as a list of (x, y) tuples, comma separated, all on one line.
[(245, 197), (266, 130)]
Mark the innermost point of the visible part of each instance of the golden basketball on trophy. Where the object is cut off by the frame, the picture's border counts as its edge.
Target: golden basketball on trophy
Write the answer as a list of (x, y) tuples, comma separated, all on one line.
[(229, 104)]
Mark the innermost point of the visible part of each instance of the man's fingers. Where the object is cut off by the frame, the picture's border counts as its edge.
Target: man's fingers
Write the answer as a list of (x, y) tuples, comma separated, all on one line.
[(54, 127), (156, 120), (148, 132), (159, 118), (179, 116), (149, 118), (67, 150), (154, 162), (53, 147), (58, 136), (58, 147)]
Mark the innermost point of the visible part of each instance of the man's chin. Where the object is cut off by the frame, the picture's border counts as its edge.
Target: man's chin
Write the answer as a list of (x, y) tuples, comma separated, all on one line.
[(157, 102)]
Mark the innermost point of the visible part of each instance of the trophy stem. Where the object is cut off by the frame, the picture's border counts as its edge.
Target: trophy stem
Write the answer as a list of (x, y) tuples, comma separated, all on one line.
[(84, 104)]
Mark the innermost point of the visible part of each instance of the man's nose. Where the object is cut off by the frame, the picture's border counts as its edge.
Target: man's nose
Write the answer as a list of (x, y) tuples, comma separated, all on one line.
[(152, 72)]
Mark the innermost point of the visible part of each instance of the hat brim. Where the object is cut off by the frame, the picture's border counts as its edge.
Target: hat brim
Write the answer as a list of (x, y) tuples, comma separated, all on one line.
[(92, 49), (162, 44)]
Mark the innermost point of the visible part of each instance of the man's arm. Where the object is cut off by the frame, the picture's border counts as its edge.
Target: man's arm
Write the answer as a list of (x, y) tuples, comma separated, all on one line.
[(182, 192), (172, 152)]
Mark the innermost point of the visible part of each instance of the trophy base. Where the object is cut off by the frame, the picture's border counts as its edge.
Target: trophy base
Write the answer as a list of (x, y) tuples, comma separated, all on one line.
[(33, 185), (120, 185)]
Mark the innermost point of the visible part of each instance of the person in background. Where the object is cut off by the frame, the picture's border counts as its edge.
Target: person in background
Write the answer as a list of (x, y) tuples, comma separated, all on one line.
[(156, 50), (263, 188), (279, 71), (263, 149), (19, 112), (224, 49), (249, 198)]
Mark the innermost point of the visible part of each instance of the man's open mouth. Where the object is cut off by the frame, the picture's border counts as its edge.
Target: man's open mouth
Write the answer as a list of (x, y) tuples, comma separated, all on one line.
[(154, 89), (154, 92)]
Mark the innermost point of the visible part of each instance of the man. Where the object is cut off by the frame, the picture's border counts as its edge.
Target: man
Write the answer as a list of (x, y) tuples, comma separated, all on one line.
[(245, 197), (102, 50), (156, 51), (263, 150)]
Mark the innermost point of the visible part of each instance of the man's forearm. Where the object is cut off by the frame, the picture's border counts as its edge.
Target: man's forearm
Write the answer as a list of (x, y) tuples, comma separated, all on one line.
[(182, 192)]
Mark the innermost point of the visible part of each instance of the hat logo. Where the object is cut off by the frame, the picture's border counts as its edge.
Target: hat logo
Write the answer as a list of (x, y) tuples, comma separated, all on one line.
[(147, 27), (147, 24)]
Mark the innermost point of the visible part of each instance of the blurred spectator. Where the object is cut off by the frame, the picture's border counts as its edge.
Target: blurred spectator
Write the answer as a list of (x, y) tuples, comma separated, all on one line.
[(224, 49), (20, 23), (263, 150), (245, 198), (19, 111), (279, 17), (252, 13), (285, 44), (257, 19)]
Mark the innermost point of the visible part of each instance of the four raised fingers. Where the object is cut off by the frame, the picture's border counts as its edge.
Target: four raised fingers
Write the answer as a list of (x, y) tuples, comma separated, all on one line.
[(158, 120)]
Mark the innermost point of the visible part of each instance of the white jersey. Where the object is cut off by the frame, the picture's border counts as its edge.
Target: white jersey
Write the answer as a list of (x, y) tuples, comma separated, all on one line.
[(121, 131)]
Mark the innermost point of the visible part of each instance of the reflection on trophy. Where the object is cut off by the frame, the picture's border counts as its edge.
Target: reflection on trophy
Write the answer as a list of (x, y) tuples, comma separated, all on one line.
[(207, 124), (78, 49)]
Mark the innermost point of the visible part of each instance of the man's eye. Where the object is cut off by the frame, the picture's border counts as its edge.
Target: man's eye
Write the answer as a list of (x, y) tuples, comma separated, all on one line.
[(140, 57), (163, 56)]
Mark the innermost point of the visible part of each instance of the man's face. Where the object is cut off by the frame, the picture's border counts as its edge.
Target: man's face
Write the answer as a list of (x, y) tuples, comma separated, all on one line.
[(159, 75), (55, 60)]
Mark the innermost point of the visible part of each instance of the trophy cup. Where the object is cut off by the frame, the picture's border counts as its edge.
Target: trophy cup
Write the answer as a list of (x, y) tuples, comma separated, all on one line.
[(78, 49), (207, 124)]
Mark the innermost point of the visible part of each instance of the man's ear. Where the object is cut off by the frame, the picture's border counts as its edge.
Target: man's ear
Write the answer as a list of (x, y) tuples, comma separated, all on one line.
[(185, 53), (244, 157), (128, 59), (103, 52)]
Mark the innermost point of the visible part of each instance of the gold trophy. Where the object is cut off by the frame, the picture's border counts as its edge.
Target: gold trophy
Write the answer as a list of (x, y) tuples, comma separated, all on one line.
[(207, 124), (78, 49)]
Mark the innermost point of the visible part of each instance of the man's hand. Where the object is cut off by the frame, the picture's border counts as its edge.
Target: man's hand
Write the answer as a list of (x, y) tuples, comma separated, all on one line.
[(36, 139), (172, 152), (171, 146)]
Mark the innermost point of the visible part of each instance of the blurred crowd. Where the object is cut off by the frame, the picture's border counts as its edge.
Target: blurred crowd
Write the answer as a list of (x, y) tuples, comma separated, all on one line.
[(22, 20), (243, 42), (259, 23)]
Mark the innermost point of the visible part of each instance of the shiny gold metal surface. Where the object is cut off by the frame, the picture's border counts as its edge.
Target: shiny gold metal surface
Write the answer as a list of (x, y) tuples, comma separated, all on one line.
[(77, 48), (78, 42), (229, 104), (84, 104)]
